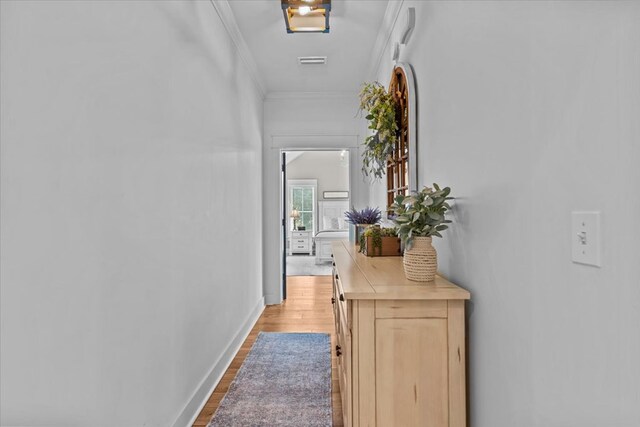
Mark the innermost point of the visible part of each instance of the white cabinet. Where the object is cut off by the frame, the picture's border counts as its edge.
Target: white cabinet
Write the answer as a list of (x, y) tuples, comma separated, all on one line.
[(300, 242)]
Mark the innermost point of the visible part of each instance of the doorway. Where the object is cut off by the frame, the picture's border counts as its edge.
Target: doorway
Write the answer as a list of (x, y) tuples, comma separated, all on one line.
[(315, 193)]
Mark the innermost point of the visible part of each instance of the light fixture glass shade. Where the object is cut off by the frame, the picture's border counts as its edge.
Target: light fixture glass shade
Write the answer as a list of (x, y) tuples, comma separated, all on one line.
[(295, 214), (313, 19)]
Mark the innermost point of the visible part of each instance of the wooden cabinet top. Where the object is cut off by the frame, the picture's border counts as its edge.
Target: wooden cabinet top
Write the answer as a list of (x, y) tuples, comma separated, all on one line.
[(365, 277)]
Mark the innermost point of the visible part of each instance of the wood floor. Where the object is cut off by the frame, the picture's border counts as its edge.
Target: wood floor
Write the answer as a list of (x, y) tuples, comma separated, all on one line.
[(307, 309)]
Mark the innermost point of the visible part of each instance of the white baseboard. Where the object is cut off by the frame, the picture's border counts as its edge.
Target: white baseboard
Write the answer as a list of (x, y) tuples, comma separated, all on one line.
[(192, 409)]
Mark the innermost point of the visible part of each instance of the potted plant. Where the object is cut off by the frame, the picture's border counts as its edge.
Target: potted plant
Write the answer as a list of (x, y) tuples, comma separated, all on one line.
[(380, 241), (359, 220), (419, 217), (381, 109)]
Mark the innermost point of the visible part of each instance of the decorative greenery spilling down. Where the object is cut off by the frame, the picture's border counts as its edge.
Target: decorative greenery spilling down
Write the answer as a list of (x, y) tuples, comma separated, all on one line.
[(422, 213), (381, 113), (365, 216), (376, 233)]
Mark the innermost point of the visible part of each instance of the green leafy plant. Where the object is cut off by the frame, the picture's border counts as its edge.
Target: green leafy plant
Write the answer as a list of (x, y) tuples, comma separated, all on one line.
[(422, 213), (376, 233), (380, 107)]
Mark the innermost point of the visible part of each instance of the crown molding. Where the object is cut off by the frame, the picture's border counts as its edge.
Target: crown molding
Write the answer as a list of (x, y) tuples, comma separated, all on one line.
[(384, 35), (311, 95), (223, 10)]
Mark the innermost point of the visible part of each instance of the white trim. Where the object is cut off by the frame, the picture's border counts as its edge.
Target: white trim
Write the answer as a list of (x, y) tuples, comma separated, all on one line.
[(312, 95), (304, 183), (200, 397), (384, 35), (314, 142), (224, 11)]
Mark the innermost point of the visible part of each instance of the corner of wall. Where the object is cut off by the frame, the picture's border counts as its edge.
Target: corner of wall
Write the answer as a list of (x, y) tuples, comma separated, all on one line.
[(384, 35), (223, 9)]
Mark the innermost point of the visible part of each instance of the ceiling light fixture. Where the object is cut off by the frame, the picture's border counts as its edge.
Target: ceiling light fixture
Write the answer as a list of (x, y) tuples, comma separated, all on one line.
[(306, 16)]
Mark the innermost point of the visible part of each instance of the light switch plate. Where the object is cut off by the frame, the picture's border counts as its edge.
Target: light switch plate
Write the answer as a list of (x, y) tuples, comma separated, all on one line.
[(585, 238)]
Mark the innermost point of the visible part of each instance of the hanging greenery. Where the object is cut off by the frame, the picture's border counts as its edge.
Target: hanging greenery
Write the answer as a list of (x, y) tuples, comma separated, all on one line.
[(381, 114)]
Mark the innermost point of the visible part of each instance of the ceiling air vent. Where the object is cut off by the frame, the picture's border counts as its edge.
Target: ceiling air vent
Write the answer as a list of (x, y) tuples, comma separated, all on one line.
[(312, 60)]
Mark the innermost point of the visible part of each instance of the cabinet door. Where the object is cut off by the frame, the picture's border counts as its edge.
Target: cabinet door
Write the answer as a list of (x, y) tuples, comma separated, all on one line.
[(411, 372)]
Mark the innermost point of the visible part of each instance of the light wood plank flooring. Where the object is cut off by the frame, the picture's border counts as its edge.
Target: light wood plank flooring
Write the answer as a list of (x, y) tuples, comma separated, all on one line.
[(307, 309)]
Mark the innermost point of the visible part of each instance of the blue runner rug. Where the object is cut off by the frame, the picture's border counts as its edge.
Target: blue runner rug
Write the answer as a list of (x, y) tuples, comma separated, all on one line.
[(284, 381)]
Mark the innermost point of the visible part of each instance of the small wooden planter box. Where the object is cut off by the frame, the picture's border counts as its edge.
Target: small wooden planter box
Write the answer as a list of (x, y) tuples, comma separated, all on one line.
[(358, 230), (390, 247)]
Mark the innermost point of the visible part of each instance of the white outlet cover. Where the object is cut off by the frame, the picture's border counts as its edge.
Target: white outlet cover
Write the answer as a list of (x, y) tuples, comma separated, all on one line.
[(585, 238)]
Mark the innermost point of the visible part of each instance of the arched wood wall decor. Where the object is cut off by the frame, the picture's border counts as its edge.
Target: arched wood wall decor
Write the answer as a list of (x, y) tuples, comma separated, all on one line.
[(402, 173)]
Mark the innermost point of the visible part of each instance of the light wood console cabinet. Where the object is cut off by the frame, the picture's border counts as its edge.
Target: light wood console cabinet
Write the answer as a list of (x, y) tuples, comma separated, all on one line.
[(400, 344)]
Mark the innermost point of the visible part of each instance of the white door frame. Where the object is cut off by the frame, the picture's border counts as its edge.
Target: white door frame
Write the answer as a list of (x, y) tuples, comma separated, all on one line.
[(272, 238)]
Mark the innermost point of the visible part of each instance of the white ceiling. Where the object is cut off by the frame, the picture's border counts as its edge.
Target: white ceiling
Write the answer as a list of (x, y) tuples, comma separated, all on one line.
[(348, 46)]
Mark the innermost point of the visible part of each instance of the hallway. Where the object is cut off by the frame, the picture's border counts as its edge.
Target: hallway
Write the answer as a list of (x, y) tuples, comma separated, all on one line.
[(307, 309), (142, 146)]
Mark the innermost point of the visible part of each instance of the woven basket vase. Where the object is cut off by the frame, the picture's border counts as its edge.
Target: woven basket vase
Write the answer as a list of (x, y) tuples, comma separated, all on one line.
[(421, 261)]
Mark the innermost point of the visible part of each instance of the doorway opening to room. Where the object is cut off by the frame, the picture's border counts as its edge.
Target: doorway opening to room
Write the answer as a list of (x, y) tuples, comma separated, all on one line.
[(315, 195)]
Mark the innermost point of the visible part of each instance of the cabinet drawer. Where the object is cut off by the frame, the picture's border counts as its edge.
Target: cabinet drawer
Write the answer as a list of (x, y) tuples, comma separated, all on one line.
[(413, 309), (301, 246), (298, 241), (300, 234), (341, 302)]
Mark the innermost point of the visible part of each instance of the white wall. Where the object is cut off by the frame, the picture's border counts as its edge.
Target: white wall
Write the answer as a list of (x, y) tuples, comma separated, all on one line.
[(329, 170), (529, 110), (131, 166), (303, 121), (325, 166)]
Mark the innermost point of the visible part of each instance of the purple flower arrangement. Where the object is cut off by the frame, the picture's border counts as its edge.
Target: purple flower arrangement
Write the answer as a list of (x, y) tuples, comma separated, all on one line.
[(365, 216)]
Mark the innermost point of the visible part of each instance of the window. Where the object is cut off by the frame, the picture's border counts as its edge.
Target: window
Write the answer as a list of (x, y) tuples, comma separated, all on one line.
[(398, 165), (302, 197)]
